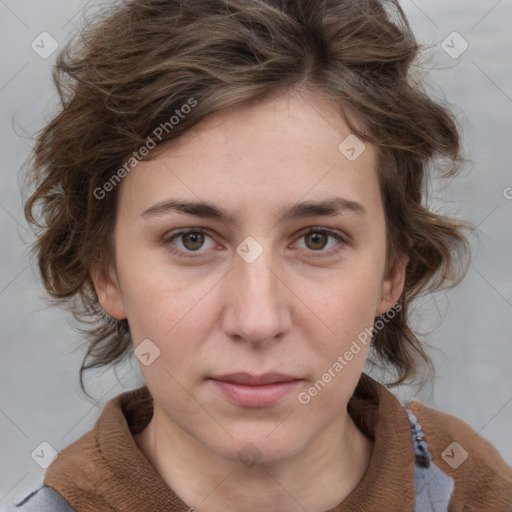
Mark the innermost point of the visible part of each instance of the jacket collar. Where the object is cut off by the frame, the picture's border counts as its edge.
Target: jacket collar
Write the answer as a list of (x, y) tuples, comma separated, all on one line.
[(106, 466)]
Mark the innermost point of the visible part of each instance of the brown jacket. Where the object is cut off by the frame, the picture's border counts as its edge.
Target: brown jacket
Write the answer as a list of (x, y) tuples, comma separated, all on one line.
[(105, 470)]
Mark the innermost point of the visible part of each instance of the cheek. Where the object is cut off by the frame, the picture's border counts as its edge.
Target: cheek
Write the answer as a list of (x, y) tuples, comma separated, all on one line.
[(344, 311), (348, 302), (166, 313), (157, 296)]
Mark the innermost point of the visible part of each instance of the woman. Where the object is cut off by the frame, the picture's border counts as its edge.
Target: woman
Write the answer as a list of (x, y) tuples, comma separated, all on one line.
[(233, 191)]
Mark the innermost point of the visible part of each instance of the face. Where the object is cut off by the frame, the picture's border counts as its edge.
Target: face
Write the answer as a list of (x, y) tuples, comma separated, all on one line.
[(279, 269)]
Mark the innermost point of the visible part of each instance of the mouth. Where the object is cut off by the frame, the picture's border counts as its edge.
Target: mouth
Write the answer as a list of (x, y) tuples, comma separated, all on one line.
[(247, 390)]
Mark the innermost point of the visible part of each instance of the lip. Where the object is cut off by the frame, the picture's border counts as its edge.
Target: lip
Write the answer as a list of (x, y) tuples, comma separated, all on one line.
[(248, 390), (255, 380)]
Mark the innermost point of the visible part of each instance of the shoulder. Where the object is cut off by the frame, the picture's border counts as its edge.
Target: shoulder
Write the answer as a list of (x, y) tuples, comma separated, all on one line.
[(482, 478), (44, 499)]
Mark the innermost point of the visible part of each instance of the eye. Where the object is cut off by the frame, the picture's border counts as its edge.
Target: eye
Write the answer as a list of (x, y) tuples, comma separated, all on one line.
[(317, 239), (189, 242)]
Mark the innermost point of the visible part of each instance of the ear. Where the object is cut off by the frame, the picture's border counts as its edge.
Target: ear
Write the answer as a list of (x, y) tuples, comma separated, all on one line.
[(106, 284), (392, 286)]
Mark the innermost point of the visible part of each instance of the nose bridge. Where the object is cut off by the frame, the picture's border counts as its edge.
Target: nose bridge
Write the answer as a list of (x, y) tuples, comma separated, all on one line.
[(257, 311), (255, 272), (259, 277)]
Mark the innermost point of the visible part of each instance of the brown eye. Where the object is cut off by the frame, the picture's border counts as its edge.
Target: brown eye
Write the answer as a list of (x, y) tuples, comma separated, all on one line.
[(316, 240), (192, 241), (322, 242)]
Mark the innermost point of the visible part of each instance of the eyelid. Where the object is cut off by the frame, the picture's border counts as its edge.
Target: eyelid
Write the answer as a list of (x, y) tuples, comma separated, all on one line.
[(342, 239), (169, 238)]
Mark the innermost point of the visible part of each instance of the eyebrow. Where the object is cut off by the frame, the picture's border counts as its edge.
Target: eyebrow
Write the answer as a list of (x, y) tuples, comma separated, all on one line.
[(328, 208)]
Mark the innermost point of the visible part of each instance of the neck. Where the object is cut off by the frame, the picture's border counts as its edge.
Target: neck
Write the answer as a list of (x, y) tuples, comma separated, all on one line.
[(317, 478)]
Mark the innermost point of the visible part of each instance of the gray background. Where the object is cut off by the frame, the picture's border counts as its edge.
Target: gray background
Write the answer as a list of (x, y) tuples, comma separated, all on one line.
[(468, 328)]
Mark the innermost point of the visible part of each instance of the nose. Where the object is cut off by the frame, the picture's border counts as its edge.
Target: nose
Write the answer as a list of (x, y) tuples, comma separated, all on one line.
[(257, 307)]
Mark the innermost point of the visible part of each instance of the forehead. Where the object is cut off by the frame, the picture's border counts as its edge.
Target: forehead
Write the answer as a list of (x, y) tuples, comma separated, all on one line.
[(278, 150)]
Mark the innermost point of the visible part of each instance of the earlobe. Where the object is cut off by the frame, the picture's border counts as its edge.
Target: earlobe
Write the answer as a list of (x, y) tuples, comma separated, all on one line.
[(392, 286), (107, 288)]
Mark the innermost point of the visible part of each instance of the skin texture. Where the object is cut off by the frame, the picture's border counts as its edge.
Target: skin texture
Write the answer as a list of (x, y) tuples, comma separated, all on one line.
[(286, 311)]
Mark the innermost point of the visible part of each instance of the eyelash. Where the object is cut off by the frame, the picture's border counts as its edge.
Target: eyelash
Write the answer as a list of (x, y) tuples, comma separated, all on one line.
[(190, 254)]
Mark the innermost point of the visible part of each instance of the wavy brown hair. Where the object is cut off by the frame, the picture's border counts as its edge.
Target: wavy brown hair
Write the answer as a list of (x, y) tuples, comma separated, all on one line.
[(139, 61)]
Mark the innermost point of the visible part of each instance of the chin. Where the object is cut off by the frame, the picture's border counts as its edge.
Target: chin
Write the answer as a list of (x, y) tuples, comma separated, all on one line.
[(256, 449)]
